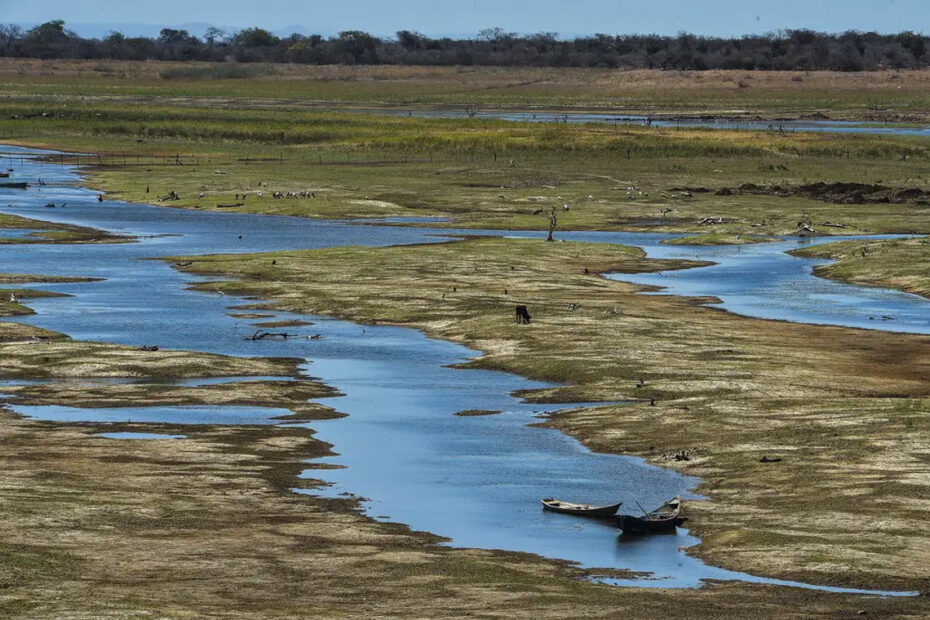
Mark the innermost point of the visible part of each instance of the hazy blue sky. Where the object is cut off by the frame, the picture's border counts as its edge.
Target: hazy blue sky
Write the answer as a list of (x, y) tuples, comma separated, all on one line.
[(466, 17)]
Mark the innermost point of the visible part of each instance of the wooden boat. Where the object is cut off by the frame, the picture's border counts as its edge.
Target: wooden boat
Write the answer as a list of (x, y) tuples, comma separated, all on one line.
[(581, 510), (4, 175), (665, 518), (14, 184)]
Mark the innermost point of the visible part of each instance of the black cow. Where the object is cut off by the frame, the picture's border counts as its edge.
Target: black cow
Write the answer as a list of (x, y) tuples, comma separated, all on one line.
[(523, 315)]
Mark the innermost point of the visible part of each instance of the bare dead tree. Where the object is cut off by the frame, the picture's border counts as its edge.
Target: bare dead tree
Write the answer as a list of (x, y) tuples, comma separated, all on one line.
[(553, 221)]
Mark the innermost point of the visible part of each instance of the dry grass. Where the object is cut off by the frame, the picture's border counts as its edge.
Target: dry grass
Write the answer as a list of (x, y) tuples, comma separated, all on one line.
[(50, 232), (32, 359), (291, 395), (902, 264), (206, 526), (878, 94)]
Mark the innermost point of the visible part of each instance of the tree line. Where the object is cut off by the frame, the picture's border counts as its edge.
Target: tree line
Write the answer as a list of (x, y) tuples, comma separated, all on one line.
[(803, 50)]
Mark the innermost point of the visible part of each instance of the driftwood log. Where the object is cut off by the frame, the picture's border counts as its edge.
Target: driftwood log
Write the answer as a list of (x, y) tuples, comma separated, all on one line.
[(261, 335)]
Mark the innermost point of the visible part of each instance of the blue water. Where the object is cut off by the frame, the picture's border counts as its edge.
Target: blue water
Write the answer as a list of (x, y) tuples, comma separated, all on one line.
[(476, 480), (145, 436), (818, 126), (18, 233), (192, 415), (762, 280)]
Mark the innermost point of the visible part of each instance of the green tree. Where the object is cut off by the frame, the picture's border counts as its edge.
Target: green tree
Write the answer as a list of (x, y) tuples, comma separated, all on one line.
[(358, 46), (255, 37)]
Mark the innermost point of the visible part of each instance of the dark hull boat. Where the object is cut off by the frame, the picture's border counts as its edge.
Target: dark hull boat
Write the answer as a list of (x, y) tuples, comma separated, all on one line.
[(581, 510), (661, 520), (14, 184)]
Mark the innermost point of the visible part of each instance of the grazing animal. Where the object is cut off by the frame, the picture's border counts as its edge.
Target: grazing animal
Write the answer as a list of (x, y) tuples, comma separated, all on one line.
[(522, 314), (201, 194)]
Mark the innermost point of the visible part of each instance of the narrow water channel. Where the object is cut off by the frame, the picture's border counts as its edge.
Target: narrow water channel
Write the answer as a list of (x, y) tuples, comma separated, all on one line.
[(739, 124), (476, 480)]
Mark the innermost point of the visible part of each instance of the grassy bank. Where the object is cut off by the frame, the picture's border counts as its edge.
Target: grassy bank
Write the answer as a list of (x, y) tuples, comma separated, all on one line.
[(208, 526), (846, 415), (777, 94), (486, 174), (50, 232), (33, 353), (220, 144), (902, 263), (720, 239)]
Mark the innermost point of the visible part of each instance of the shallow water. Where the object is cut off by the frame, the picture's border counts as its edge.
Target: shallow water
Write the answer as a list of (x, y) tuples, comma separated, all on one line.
[(819, 126), (477, 480), (188, 414), (17, 233), (145, 436), (783, 288)]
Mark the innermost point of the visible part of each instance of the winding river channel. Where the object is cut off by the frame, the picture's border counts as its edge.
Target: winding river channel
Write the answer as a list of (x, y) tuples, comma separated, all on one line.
[(475, 480)]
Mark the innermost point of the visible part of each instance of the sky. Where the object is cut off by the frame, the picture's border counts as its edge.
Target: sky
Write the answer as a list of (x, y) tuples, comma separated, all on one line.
[(467, 17)]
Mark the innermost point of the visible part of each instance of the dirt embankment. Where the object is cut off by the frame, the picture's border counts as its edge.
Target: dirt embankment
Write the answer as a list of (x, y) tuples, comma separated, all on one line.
[(839, 193)]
